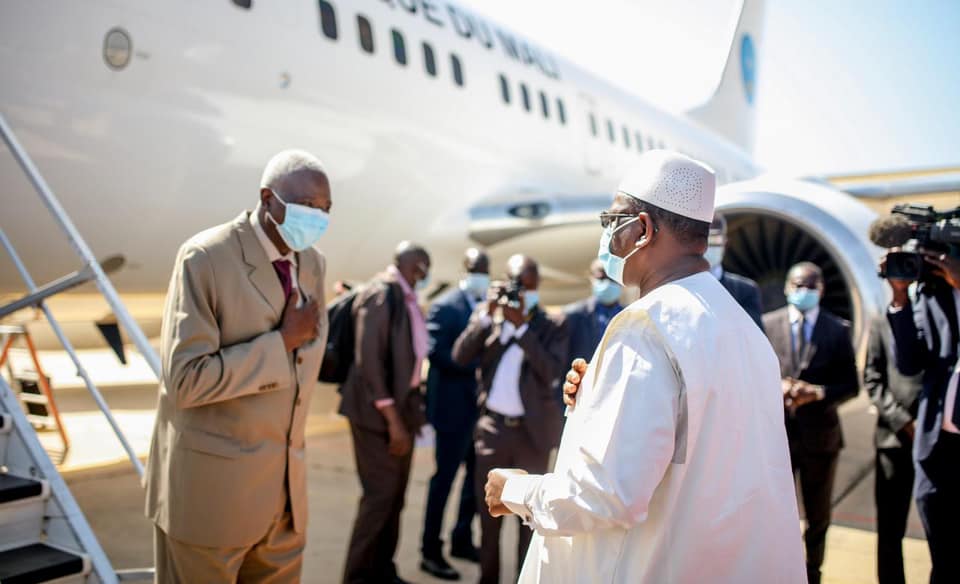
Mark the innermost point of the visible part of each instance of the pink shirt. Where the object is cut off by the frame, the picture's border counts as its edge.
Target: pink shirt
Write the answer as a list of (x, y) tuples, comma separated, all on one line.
[(418, 332)]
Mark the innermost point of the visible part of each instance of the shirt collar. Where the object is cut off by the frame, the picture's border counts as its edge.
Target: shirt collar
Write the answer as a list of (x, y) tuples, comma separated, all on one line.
[(393, 271), (717, 272), (810, 316), (273, 254)]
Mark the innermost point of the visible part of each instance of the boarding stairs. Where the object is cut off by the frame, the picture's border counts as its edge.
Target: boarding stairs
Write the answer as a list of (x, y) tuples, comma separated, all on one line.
[(44, 536)]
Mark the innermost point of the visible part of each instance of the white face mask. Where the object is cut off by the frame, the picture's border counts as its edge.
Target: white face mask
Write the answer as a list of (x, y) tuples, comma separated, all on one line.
[(714, 255), (476, 284)]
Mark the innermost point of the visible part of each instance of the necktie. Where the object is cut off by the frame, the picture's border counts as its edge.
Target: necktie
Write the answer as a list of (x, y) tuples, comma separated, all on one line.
[(282, 267), (802, 336)]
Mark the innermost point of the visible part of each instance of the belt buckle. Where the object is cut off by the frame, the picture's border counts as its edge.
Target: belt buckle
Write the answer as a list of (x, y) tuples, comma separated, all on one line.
[(511, 422)]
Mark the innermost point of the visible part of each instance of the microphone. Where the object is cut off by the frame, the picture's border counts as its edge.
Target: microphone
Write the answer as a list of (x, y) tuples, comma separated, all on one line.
[(890, 231)]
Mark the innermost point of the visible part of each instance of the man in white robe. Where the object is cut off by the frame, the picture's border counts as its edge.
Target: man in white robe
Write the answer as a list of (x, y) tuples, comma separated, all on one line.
[(674, 465)]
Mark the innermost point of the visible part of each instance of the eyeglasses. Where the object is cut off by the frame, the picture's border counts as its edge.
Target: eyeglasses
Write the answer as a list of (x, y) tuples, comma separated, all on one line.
[(608, 219)]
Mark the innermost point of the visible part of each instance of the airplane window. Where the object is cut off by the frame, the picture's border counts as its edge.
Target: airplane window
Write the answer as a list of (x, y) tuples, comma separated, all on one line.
[(526, 96), (610, 131), (639, 141), (544, 105), (243, 3), (429, 62), (366, 34), (328, 20), (561, 112), (626, 137), (399, 47), (457, 70), (504, 89), (593, 125)]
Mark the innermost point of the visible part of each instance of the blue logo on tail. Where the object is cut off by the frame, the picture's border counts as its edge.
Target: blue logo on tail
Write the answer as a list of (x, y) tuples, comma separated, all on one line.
[(748, 67)]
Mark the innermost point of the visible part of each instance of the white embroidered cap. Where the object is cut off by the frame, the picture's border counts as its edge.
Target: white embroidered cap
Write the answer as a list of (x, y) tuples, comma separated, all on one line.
[(673, 182)]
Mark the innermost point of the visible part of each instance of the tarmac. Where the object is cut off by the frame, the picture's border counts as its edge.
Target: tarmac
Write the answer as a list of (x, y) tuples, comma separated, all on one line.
[(106, 487)]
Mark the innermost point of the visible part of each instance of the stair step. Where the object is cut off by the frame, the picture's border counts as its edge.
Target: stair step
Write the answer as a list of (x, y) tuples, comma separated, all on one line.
[(38, 563), (13, 488)]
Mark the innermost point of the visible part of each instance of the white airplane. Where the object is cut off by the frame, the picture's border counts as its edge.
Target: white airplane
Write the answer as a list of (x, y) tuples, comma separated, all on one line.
[(152, 121)]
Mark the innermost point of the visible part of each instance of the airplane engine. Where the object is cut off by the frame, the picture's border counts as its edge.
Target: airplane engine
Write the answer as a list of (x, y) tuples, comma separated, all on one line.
[(773, 223)]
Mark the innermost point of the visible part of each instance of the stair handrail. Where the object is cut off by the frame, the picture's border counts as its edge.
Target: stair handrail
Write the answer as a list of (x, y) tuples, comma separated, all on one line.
[(99, 276), (80, 246)]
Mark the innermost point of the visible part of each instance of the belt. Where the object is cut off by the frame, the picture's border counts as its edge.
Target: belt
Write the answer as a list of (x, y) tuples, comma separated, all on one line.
[(508, 421)]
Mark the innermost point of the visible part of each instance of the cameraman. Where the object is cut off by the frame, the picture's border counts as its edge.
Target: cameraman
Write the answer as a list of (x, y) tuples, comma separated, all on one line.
[(926, 336), (521, 353)]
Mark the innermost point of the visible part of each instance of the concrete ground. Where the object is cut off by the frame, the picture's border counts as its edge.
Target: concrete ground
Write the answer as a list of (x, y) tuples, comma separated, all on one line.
[(109, 493)]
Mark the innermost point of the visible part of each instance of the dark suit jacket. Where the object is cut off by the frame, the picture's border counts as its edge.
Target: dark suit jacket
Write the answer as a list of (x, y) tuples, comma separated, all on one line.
[(383, 359), (926, 342), (544, 349), (583, 329), (747, 294), (451, 387), (829, 361), (896, 396)]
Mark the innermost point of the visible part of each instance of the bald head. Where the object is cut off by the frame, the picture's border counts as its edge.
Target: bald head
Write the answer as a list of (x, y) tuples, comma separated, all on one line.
[(525, 270), (412, 261), (804, 275), (476, 261), (596, 270)]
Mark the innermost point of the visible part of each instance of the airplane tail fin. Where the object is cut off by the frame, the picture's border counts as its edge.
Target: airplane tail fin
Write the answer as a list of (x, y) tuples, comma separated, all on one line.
[(730, 110)]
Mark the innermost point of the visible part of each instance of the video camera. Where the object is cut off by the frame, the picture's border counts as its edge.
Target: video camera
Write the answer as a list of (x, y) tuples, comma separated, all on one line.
[(510, 292), (930, 230)]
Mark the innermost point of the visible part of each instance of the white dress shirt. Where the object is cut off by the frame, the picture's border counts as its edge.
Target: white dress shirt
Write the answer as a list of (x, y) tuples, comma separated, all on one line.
[(504, 397), (674, 464), (273, 254)]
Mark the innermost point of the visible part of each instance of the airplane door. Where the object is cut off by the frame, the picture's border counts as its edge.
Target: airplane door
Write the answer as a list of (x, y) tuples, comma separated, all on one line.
[(590, 134)]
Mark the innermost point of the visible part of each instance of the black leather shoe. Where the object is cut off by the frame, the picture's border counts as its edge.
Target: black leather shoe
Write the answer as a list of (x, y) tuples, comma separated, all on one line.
[(398, 580), (439, 568), (465, 551)]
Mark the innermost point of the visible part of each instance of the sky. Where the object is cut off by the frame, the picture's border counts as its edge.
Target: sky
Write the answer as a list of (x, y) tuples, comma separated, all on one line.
[(842, 86)]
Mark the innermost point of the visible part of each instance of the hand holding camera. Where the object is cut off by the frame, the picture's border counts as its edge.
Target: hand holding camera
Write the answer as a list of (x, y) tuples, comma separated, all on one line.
[(508, 298)]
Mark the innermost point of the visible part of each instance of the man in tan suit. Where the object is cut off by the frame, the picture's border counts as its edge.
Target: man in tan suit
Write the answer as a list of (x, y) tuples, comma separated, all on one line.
[(521, 351), (383, 401), (243, 337)]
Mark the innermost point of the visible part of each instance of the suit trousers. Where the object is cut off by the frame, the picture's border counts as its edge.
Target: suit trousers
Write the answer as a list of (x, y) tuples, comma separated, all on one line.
[(275, 559), (503, 445), (893, 490), (938, 503), (452, 450), (817, 472), (376, 530)]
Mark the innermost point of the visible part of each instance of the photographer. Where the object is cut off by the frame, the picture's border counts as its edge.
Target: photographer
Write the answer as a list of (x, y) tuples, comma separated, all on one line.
[(521, 352), (926, 337)]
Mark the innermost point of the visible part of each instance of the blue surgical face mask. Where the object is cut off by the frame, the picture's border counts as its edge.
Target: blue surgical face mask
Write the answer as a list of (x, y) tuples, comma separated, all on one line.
[(476, 284), (606, 291), (804, 299), (714, 255), (531, 299), (423, 282), (613, 265), (302, 226)]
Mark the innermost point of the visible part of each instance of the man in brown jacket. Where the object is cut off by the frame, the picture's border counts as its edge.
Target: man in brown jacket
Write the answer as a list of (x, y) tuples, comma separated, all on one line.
[(382, 400), (242, 340), (521, 352)]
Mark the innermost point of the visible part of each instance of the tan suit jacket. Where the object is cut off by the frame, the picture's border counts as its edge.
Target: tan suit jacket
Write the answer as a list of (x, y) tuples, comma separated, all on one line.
[(228, 444), (383, 359)]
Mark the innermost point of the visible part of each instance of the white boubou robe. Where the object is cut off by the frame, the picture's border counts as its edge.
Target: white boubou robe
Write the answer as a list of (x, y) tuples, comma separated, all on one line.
[(674, 465)]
